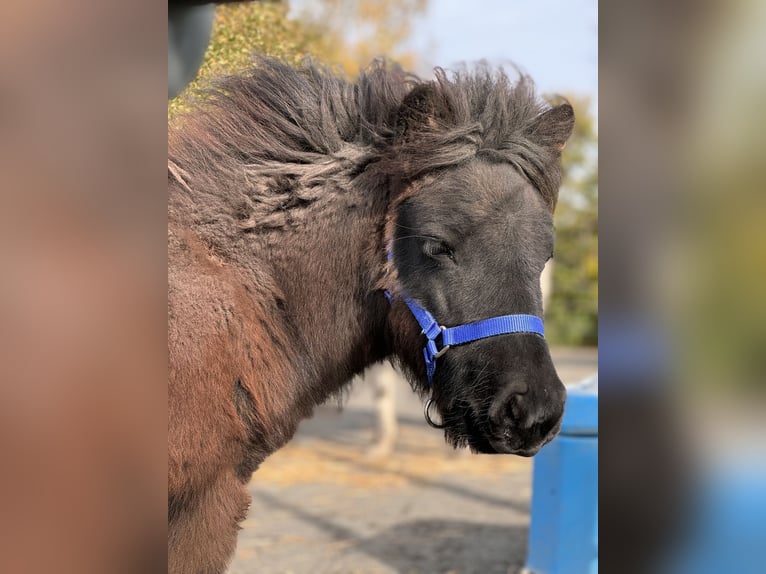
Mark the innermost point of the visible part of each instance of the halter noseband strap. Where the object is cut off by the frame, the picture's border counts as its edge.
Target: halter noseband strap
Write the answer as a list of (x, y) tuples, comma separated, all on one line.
[(451, 336)]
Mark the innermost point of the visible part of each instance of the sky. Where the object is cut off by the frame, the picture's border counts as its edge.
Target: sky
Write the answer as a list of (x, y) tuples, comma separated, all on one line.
[(554, 41)]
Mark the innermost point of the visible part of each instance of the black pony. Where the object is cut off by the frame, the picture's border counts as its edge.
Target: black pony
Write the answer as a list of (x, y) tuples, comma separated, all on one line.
[(299, 204)]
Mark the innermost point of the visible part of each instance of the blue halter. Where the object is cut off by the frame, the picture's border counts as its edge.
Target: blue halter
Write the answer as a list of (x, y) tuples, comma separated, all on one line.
[(451, 336)]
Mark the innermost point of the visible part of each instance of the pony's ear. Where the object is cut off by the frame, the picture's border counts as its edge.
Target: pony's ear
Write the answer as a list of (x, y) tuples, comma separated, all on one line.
[(422, 108), (553, 127)]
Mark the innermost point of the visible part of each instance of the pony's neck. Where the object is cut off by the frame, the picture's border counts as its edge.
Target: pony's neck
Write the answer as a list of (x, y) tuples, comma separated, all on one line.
[(329, 269)]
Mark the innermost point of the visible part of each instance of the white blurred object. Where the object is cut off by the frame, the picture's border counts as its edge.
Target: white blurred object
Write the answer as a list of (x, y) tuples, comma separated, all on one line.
[(383, 377), (546, 282)]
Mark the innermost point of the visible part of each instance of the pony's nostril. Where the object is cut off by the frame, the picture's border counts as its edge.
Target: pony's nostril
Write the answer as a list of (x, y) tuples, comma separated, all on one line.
[(513, 410), (509, 415)]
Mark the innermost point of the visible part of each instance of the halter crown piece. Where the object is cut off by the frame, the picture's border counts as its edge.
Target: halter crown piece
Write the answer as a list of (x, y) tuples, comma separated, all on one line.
[(462, 334)]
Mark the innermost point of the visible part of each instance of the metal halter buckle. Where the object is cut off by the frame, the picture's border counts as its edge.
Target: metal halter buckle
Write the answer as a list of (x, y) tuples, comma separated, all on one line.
[(443, 350)]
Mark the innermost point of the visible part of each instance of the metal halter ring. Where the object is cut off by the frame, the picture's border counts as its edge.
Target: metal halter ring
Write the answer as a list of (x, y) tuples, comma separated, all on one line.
[(427, 408)]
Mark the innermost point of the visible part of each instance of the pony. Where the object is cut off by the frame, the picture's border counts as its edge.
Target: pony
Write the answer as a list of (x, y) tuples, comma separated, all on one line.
[(306, 213)]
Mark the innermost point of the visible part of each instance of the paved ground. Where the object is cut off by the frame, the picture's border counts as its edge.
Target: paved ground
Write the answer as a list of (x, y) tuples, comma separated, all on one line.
[(321, 506)]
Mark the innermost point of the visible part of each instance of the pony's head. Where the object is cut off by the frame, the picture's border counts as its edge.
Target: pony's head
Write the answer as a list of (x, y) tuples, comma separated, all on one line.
[(476, 169)]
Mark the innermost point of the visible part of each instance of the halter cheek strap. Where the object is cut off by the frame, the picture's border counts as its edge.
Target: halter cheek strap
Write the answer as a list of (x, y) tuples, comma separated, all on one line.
[(462, 334)]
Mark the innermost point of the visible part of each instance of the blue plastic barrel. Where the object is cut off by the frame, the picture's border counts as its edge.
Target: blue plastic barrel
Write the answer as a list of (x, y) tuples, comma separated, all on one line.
[(563, 533), (726, 532)]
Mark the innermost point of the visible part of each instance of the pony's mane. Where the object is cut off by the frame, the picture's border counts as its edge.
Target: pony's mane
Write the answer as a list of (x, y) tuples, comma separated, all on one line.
[(279, 127)]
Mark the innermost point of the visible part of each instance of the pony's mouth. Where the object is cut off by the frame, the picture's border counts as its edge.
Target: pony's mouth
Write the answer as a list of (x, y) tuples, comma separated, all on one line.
[(481, 440), (469, 432), (505, 446)]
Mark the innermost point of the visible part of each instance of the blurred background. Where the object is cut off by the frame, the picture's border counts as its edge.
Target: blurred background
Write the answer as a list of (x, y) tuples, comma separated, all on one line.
[(367, 486), (83, 419)]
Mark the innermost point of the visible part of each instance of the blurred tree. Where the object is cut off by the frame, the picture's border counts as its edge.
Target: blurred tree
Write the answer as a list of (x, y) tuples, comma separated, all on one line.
[(572, 314), (353, 32)]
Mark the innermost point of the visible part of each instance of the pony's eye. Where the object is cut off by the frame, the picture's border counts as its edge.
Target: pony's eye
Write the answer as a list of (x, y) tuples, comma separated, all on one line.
[(435, 248)]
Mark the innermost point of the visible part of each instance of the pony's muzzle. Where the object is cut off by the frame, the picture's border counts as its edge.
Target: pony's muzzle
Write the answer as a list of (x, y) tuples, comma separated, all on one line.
[(523, 421)]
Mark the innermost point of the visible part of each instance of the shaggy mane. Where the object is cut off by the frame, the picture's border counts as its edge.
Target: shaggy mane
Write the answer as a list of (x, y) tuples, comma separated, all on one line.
[(271, 139)]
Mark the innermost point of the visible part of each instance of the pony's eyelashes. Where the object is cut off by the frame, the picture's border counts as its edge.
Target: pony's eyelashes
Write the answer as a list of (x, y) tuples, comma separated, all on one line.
[(438, 249)]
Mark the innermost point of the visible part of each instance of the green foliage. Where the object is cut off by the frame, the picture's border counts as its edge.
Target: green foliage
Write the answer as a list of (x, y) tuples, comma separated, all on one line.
[(572, 313), (241, 30)]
